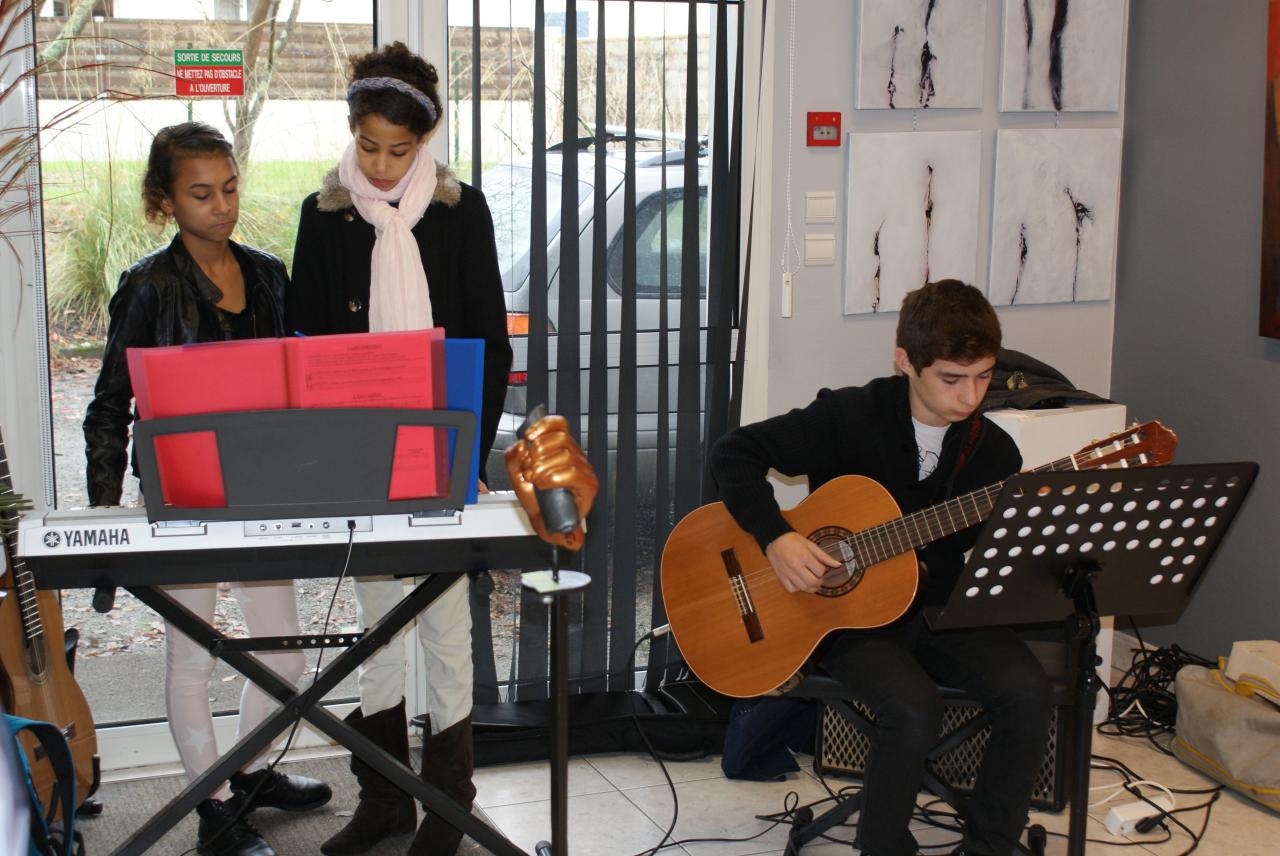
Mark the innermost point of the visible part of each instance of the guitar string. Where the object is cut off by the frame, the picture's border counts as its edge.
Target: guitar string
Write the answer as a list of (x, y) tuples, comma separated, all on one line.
[(898, 528)]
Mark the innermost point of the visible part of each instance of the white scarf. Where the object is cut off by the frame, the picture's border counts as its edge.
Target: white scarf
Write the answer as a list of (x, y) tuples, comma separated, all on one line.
[(398, 294)]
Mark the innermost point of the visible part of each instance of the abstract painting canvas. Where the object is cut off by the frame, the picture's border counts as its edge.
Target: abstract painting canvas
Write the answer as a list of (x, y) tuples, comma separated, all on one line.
[(1062, 54), (921, 53), (1055, 210), (913, 214)]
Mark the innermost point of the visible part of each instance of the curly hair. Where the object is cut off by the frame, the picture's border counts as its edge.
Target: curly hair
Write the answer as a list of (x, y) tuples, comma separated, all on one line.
[(947, 320), (188, 140), (395, 60)]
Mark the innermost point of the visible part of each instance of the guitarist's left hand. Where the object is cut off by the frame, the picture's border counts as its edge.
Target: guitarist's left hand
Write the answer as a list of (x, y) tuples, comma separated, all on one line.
[(798, 562)]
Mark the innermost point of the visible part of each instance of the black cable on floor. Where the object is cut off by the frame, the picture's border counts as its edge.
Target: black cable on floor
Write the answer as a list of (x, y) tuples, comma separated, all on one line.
[(1142, 703)]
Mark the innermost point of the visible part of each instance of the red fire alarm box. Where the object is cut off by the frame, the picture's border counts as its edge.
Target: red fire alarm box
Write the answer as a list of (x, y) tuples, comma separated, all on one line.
[(824, 129)]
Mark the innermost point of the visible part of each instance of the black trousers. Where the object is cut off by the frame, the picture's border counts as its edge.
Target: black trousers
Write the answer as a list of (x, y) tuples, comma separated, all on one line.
[(894, 672)]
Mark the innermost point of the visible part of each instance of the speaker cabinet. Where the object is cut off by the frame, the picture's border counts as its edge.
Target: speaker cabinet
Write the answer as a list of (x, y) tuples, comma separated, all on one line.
[(843, 745)]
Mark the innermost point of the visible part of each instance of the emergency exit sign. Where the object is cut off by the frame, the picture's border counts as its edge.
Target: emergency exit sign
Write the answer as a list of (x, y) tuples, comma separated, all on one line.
[(208, 73)]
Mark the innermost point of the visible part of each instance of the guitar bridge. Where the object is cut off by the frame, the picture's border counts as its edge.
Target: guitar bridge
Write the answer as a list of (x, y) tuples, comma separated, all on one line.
[(742, 596)]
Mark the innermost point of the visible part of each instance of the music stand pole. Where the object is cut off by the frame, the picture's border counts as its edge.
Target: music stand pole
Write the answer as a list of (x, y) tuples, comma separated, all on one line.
[(1078, 545), (552, 588), (1081, 628)]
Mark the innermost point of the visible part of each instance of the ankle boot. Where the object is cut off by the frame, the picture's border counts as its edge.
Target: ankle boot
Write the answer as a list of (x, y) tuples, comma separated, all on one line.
[(448, 761), (222, 833), (384, 811)]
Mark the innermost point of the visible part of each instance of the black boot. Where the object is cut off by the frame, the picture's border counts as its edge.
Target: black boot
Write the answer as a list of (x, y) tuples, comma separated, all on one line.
[(220, 833), (384, 811), (280, 790), (448, 761)]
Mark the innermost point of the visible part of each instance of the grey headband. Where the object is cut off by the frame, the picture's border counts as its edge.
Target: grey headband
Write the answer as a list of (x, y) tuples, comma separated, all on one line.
[(367, 84)]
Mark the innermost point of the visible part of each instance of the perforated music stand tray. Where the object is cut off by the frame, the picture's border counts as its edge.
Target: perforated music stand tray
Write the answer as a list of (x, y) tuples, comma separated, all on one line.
[(1076, 545)]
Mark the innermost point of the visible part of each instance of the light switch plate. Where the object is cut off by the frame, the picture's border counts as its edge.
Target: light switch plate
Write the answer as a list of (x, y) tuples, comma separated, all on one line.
[(819, 249), (820, 206)]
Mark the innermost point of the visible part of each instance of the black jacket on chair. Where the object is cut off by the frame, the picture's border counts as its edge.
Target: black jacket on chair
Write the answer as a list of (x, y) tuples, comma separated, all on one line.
[(329, 292), (165, 299)]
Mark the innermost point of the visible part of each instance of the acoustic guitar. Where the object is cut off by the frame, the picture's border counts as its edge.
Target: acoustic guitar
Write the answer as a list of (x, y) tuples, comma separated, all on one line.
[(36, 682), (744, 635)]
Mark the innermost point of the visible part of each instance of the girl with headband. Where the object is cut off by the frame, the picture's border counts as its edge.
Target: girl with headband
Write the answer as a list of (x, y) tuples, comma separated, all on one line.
[(394, 241)]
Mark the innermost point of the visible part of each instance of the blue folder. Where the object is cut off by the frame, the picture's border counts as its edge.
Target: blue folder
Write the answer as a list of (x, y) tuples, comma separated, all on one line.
[(464, 390)]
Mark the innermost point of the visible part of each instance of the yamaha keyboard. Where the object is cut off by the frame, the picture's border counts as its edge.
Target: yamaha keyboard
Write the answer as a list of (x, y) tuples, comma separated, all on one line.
[(87, 548)]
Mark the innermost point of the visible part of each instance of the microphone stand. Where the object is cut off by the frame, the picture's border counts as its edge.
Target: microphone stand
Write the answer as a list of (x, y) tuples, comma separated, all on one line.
[(552, 588)]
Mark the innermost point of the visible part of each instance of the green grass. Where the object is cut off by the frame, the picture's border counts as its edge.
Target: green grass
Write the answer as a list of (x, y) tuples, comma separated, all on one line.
[(94, 228)]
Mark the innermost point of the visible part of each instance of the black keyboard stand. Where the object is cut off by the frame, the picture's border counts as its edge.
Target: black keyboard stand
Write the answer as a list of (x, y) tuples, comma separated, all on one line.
[(307, 463), (308, 704)]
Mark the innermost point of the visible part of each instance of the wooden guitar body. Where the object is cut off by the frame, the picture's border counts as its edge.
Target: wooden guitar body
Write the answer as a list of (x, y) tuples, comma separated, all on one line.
[(739, 630), (38, 685), (35, 681)]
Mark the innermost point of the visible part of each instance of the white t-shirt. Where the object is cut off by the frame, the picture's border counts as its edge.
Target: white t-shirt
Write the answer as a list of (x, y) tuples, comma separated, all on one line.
[(929, 444)]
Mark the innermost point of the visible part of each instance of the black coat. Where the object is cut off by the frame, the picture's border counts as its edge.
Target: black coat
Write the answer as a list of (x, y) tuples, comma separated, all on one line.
[(331, 269), (864, 431), (165, 299)]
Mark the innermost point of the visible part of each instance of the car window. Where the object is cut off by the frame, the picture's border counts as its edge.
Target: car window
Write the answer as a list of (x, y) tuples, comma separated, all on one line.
[(649, 245), (508, 188)]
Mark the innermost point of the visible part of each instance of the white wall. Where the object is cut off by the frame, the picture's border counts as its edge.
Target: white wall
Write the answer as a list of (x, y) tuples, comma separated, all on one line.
[(818, 346)]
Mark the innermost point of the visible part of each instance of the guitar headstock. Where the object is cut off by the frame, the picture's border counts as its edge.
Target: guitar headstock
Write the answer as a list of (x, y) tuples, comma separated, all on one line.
[(1150, 444)]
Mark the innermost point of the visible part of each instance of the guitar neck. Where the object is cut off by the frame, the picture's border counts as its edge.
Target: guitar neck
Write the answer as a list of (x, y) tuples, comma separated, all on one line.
[(883, 542), (24, 584)]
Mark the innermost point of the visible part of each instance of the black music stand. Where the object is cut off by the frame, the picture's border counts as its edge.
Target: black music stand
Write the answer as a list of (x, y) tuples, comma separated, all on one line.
[(298, 464), (306, 462), (1073, 546)]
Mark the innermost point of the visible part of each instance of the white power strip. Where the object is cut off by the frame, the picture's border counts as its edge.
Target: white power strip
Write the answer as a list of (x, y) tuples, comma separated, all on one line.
[(1122, 819)]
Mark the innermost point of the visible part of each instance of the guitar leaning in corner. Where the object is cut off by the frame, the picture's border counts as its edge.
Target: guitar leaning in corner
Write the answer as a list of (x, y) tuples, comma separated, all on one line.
[(744, 635), (36, 682)]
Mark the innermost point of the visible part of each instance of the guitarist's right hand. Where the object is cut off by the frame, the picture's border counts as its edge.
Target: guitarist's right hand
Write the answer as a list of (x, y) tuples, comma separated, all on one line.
[(798, 562)]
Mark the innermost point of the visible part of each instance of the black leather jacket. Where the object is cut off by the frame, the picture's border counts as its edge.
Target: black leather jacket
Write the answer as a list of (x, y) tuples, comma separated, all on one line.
[(165, 299)]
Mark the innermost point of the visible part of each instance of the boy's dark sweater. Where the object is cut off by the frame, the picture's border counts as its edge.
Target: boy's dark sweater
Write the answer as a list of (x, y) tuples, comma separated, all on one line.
[(864, 431)]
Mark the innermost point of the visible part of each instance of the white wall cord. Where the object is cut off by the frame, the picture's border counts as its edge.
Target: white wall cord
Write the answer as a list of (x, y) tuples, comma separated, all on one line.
[(789, 238)]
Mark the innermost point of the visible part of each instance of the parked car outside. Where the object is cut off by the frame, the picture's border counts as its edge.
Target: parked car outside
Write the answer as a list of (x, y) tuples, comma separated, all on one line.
[(508, 187)]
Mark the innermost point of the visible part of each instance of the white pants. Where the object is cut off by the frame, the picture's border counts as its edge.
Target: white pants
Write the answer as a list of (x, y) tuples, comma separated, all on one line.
[(444, 633), (270, 609)]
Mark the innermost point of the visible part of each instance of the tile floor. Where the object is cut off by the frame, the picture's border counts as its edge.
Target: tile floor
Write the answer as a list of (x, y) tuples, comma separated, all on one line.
[(620, 805)]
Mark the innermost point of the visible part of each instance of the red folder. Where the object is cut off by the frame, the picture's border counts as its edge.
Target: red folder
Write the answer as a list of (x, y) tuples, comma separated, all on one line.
[(218, 377), (392, 369)]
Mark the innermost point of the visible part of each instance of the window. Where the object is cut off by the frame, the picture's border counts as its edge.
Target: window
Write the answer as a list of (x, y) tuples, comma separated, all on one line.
[(649, 246), (100, 103)]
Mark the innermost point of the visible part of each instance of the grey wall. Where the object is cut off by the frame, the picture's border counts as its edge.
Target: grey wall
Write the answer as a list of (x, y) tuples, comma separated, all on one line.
[(1186, 345), (819, 346)]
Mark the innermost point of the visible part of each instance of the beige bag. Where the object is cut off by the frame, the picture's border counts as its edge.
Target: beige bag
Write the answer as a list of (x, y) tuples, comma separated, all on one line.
[(1229, 731)]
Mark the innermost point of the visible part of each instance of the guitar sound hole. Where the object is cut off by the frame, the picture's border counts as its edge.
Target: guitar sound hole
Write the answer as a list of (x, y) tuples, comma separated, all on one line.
[(835, 541)]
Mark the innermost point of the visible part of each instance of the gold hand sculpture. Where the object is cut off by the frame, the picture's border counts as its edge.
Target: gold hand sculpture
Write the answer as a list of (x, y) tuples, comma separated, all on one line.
[(547, 458)]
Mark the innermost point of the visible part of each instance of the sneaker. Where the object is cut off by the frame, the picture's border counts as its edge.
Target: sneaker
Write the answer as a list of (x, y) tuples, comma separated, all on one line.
[(280, 790)]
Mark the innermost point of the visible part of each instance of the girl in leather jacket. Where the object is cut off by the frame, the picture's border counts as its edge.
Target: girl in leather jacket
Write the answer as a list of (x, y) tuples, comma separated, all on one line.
[(202, 287)]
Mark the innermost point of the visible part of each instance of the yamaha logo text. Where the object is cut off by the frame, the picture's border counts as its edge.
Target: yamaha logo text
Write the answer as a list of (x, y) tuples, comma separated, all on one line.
[(90, 537)]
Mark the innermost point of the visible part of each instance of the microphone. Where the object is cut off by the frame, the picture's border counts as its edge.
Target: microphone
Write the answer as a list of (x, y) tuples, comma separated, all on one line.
[(559, 509)]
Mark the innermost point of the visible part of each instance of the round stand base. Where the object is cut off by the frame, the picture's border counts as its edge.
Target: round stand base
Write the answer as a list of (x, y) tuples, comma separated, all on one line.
[(544, 583)]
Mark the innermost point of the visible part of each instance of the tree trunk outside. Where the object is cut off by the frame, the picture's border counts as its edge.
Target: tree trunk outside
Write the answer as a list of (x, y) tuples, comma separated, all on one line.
[(263, 27), (75, 24)]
